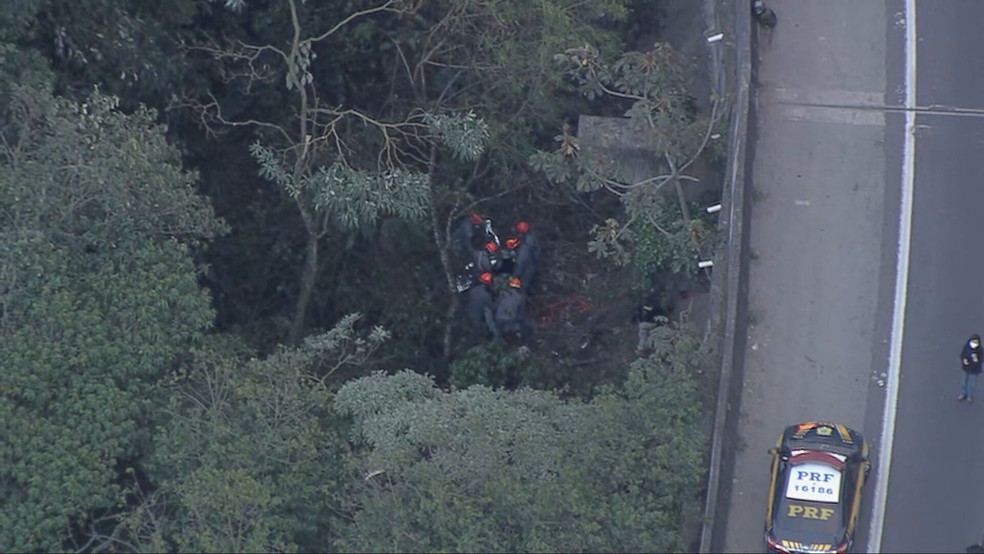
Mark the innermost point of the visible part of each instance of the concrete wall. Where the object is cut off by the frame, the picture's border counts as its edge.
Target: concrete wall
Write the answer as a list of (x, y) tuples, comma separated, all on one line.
[(729, 285)]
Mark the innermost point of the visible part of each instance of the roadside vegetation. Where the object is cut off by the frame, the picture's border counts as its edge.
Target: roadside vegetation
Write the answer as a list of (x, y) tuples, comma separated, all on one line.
[(227, 313)]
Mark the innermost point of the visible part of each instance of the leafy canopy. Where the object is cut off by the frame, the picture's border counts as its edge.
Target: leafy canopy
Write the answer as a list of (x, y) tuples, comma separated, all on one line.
[(99, 298)]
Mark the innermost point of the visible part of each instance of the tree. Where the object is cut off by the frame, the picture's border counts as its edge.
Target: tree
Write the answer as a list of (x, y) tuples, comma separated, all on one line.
[(339, 177), (98, 301), (456, 91), (660, 108), (250, 457), (486, 470), (493, 59)]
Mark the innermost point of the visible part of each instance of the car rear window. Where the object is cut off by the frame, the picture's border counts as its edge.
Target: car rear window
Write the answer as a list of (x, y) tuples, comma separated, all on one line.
[(813, 482)]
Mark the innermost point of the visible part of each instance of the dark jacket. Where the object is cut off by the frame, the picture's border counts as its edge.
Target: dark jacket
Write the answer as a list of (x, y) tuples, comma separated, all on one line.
[(509, 306), (509, 317), (648, 310), (463, 235), (525, 259), (481, 262), (480, 307), (971, 358), (529, 241)]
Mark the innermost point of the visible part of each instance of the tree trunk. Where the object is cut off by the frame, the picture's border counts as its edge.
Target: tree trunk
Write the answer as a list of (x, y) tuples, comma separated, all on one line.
[(308, 276), (441, 233), (682, 200), (685, 211)]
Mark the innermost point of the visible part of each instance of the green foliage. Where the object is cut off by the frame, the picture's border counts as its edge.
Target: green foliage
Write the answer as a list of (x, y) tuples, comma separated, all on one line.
[(351, 198), (495, 365), (16, 19), (485, 364), (126, 420), (465, 134), (88, 172), (20, 68), (99, 301), (611, 241), (663, 241), (127, 47), (661, 111), (251, 457), (493, 59), (659, 235), (493, 471)]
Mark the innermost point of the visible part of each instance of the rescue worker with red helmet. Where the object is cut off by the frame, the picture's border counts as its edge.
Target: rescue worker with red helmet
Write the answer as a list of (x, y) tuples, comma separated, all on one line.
[(480, 304), (525, 254), (465, 232), (488, 259), (510, 304), (508, 255)]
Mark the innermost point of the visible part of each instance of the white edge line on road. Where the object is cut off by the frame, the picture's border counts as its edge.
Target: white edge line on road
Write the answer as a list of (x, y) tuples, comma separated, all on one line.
[(901, 286)]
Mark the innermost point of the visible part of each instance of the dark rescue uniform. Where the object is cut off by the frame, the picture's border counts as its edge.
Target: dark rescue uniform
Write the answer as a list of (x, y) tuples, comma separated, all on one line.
[(480, 306), (509, 317)]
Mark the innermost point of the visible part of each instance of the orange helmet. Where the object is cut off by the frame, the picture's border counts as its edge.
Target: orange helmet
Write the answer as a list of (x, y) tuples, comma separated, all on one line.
[(476, 219), (491, 247), (522, 227), (515, 283), (512, 243), (485, 278)]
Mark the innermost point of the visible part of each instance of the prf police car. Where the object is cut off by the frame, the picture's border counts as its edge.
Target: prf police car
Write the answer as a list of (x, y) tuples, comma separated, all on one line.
[(818, 471)]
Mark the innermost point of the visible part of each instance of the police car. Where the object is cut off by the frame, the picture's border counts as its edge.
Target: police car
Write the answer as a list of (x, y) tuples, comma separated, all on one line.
[(818, 471)]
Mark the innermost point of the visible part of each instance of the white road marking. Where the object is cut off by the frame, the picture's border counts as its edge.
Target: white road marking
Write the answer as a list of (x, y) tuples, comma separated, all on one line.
[(901, 286), (836, 116), (842, 107), (832, 98)]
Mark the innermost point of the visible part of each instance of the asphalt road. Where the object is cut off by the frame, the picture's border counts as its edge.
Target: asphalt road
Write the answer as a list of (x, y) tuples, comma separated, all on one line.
[(827, 180), (936, 488), (823, 235)]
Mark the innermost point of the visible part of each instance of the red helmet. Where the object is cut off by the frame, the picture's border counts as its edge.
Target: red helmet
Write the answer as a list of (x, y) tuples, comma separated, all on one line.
[(485, 278), (522, 227), (491, 247), (476, 219), (512, 243), (515, 283)]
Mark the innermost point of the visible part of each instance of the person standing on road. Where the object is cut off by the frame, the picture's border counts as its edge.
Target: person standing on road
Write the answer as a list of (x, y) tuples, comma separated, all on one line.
[(971, 359), (764, 14)]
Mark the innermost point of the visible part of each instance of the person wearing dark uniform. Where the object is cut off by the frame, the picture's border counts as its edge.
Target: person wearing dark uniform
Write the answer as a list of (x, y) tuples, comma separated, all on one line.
[(486, 260), (647, 317), (527, 236), (480, 304), (509, 306), (526, 254), (465, 232), (508, 256), (970, 358)]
